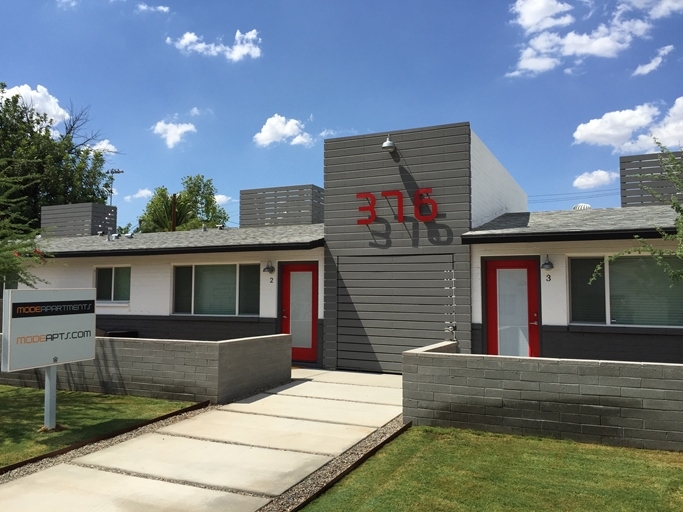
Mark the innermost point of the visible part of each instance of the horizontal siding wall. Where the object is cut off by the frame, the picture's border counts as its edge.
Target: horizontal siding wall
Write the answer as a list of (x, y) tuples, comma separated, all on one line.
[(633, 183), (304, 204), (82, 219), (384, 282), (388, 304)]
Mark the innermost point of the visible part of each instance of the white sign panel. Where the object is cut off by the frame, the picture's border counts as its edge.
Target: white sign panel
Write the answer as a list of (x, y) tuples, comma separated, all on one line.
[(47, 327)]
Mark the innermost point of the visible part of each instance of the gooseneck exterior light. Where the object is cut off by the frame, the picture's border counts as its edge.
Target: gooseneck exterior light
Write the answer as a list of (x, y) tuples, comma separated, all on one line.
[(389, 145)]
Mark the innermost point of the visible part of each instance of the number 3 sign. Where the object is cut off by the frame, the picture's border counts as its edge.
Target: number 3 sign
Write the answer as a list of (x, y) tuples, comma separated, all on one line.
[(418, 202)]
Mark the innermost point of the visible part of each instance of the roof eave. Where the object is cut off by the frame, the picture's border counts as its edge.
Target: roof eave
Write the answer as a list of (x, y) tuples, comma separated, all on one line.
[(191, 250), (561, 236)]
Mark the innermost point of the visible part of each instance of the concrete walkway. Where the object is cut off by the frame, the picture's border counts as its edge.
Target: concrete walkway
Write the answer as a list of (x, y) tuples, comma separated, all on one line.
[(237, 457)]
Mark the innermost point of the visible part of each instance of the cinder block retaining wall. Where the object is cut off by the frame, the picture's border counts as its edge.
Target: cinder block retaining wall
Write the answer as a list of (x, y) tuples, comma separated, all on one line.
[(618, 403), (219, 371)]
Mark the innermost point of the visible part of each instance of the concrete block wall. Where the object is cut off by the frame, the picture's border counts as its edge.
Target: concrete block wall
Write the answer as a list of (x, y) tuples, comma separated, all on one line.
[(195, 371), (617, 403)]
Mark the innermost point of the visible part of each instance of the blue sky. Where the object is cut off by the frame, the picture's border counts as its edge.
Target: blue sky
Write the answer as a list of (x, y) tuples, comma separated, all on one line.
[(245, 92)]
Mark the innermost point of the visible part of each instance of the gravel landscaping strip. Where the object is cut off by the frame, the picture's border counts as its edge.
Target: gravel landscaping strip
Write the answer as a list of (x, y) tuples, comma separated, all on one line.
[(310, 488)]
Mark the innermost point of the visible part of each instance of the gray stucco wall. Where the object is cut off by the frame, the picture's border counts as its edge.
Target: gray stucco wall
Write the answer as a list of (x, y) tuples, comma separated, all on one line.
[(386, 282), (173, 369), (617, 403)]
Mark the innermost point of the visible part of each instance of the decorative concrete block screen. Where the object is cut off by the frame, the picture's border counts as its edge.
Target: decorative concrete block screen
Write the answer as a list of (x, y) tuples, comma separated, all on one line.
[(617, 403), (219, 371)]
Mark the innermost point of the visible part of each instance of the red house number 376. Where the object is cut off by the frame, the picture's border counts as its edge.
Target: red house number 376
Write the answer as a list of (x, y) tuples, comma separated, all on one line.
[(419, 200)]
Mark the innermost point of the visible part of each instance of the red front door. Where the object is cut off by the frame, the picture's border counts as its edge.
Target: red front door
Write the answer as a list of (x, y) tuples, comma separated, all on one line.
[(512, 308), (300, 308)]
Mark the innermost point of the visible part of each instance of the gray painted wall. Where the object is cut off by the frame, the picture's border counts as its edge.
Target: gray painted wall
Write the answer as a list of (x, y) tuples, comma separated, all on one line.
[(637, 344), (173, 369), (617, 403), (387, 284)]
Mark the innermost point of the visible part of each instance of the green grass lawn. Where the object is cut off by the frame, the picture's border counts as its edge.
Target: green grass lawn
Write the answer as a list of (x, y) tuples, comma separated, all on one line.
[(433, 469), (83, 416)]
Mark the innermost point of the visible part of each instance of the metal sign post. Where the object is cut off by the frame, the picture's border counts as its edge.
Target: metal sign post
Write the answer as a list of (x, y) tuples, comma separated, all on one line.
[(50, 421)]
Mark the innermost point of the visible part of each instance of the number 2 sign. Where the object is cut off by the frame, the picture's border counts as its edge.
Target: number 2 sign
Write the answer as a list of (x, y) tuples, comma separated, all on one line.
[(418, 202)]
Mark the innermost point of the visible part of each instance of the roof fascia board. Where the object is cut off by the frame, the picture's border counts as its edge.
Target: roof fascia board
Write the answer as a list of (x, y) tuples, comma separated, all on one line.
[(562, 236), (191, 250)]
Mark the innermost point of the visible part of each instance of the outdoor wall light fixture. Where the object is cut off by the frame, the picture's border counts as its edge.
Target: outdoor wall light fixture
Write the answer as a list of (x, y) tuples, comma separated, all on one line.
[(269, 268), (547, 264), (388, 145)]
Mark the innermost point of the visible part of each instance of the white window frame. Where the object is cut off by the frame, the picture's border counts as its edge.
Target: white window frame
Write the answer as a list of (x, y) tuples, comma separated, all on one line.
[(608, 311), (237, 289), (113, 281)]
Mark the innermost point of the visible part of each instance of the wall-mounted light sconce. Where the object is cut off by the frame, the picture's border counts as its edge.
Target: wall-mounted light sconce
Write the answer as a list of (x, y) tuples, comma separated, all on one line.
[(269, 268), (388, 145), (547, 264)]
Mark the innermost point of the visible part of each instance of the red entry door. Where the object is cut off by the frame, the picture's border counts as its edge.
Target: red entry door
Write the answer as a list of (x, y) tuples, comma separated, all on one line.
[(512, 308), (300, 308)]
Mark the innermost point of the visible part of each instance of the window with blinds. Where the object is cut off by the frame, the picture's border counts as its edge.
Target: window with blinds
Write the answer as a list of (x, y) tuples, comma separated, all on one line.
[(641, 293), (638, 290), (217, 289)]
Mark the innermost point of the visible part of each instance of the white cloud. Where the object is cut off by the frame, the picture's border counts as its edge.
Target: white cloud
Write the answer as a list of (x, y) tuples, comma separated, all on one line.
[(537, 15), (173, 133), (41, 100), (104, 146), (615, 128), (143, 193), (222, 199), (645, 69), (279, 129), (151, 8), (550, 43), (665, 8), (66, 4), (246, 45), (195, 111), (595, 179), (632, 131)]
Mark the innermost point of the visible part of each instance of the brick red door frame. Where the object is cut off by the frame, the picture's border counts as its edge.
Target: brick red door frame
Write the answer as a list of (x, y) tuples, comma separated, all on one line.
[(491, 267), (286, 270)]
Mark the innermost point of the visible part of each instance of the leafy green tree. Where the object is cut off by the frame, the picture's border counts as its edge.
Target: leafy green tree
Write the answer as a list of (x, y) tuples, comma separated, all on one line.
[(62, 165), (18, 241), (196, 205), (672, 172), (158, 214)]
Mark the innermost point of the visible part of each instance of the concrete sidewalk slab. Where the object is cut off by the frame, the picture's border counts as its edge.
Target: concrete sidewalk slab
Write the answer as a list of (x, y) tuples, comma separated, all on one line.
[(244, 468), (317, 409), (386, 380), (67, 488), (271, 432), (349, 392), (307, 373)]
